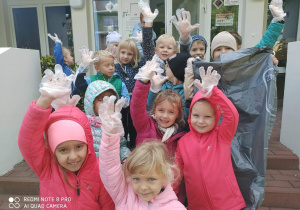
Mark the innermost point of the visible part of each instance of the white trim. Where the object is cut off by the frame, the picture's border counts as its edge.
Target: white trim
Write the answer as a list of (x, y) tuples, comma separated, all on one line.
[(168, 15)]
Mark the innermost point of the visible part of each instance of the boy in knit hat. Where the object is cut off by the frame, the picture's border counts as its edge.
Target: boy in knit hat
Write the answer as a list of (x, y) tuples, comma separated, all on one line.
[(223, 42), (174, 79)]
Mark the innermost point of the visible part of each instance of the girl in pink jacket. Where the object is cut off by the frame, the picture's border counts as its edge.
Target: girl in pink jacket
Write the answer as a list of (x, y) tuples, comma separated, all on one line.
[(147, 173), (204, 154), (66, 166)]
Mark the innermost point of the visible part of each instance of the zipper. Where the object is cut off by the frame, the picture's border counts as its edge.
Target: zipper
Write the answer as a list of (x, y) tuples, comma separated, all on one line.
[(204, 185), (149, 206), (78, 190)]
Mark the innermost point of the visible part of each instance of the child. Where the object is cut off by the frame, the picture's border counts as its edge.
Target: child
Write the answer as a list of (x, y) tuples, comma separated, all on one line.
[(204, 154), (63, 57), (93, 99), (112, 42), (105, 68), (175, 78), (67, 165), (166, 121), (145, 182)]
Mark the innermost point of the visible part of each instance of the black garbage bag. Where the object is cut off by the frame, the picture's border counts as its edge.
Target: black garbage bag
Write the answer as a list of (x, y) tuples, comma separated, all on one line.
[(248, 79)]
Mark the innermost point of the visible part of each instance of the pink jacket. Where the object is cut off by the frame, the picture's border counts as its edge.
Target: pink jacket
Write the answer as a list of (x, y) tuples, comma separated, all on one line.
[(92, 194), (119, 189), (205, 160), (145, 125)]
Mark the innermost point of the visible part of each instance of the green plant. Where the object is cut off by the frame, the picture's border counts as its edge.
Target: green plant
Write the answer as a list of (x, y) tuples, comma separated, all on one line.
[(47, 62)]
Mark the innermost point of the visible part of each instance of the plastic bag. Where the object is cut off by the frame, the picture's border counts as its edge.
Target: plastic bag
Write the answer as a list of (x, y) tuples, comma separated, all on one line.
[(248, 79)]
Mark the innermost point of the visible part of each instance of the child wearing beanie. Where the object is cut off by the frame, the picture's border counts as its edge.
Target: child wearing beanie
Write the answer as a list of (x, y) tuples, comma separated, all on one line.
[(223, 42), (66, 164), (113, 38), (174, 80)]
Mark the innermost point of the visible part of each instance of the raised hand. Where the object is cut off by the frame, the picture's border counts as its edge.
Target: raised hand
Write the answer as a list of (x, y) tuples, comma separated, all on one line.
[(55, 38), (112, 49), (277, 10), (183, 23), (157, 81), (209, 80), (146, 11), (86, 56), (110, 116), (138, 38), (148, 71), (189, 66)]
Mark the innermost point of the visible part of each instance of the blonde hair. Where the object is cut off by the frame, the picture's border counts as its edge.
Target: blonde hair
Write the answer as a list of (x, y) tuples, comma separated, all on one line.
[(170, 37), (130, 45), (175, 99), (151, 154), (100, 54)]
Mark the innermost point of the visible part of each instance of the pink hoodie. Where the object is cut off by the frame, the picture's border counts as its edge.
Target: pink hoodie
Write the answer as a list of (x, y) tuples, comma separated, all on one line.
[(119, 189), (92, 194)]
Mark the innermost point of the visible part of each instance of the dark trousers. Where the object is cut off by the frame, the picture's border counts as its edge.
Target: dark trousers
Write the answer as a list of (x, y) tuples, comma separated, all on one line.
[(128, 127)]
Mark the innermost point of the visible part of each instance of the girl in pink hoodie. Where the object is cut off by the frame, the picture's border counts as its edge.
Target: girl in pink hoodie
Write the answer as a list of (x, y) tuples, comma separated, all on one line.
[(145, 182), (66, 165)]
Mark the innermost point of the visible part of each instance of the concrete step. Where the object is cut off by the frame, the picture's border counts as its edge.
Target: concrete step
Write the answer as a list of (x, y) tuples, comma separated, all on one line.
[(282, 189), (281, 158)]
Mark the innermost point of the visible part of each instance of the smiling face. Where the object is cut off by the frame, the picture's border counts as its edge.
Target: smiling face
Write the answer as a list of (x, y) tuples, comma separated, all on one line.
[(203, 116), (165, 48), (198, 49), (166, 113), (71, 154), (125, 56), (220, 50), (105, 66), (147, 186)]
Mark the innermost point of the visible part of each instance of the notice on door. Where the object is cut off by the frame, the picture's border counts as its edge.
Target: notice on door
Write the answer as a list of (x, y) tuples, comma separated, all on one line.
[(224, 19), (231, 2)]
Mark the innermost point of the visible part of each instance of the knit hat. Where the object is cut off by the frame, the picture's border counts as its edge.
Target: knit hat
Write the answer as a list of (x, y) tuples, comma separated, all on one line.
[(113, 37), (198, 37), (177, 64), (64, 130), (223, 38)]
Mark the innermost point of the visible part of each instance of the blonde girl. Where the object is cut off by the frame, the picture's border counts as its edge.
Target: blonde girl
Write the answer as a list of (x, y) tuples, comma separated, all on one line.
[(145, 182), (165, 121)]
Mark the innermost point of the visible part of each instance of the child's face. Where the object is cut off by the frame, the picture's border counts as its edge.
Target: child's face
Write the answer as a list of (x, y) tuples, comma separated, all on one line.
[(147, 186), (68, 59), (71, 154), (203, 117), (165, 48), (219, 50), (125, 56), (165, 114), (106, 66), (99, 100), (116, 44), (198, 49)]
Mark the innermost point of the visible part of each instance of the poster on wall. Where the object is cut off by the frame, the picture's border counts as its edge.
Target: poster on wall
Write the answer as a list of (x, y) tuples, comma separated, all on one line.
[(224, 19), (218, 3), (231, 2), (130, 20)]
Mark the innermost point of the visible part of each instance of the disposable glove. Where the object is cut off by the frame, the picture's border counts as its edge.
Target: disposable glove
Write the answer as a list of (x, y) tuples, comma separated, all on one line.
[(189, 66), (183, 23), (110, 116), (146, 11), (157, 81), (112, 49), (138, 38), (55, 38), (65, 101), (147, 71), (86, 56), (209, 80), (277, 10)]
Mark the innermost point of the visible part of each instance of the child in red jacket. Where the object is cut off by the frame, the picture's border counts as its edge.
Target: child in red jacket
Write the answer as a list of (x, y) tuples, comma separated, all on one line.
[(204, 154), (67, 167)]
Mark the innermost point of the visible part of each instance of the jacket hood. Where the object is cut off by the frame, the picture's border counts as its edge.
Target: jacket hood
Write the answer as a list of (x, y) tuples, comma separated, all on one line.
[(196, 98), (76, 115), (94, 89)]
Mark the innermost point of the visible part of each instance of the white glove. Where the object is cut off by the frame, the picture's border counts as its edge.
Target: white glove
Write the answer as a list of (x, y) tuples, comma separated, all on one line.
[(65, 101), (56, 85), (157, 81), (86, 56), (183, 23), (277, 10), (138, 38), (110, 116), (112, 49), (189, 66), (146, 11), (147, 71), (55, 38), (209, 80)]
